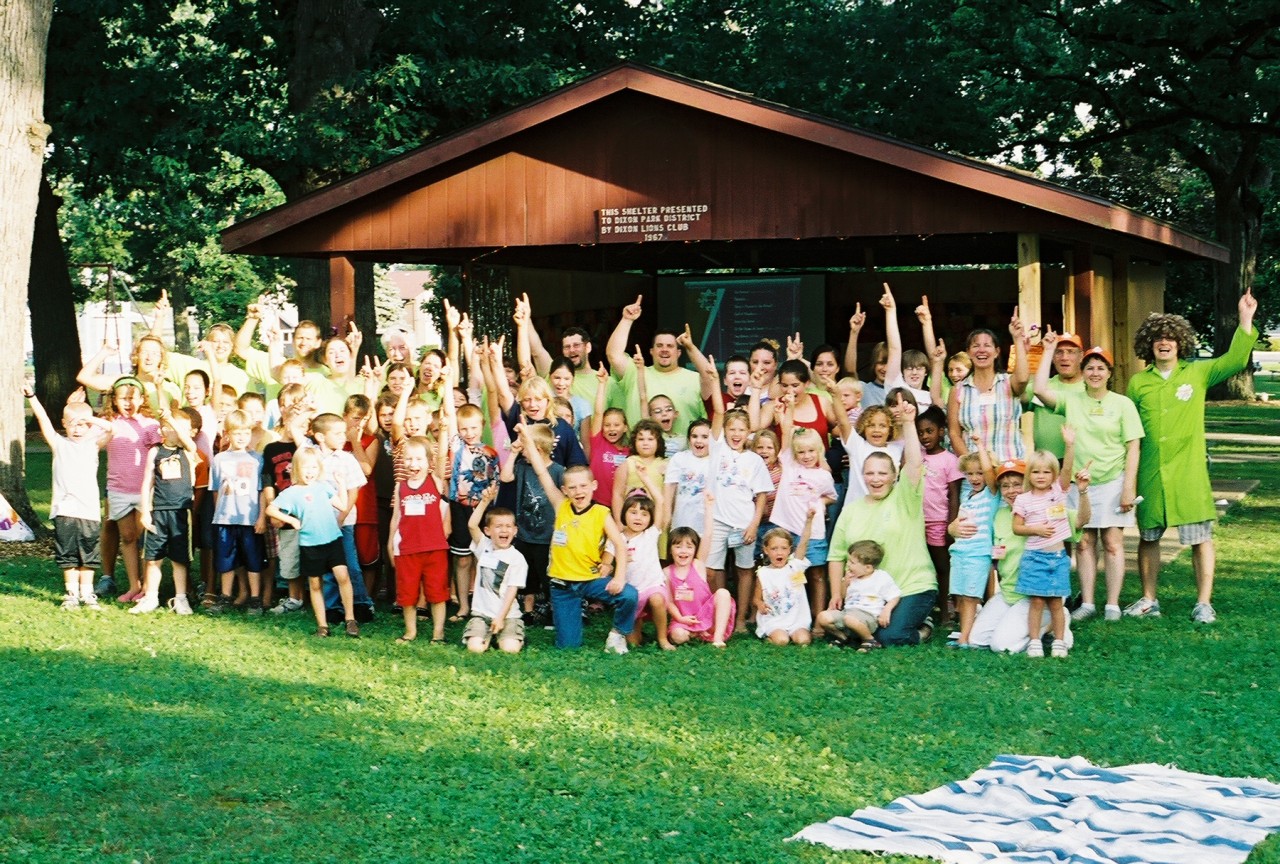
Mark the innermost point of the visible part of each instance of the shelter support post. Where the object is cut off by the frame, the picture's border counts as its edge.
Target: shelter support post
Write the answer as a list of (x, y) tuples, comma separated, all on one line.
[(1078, 310), (342, 291), (1029, 306)]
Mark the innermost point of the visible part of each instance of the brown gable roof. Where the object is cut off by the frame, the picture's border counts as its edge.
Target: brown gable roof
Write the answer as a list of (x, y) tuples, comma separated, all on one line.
[(967, 177)]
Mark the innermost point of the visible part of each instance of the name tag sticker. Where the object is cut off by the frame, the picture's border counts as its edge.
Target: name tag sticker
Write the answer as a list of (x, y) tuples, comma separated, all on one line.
[(414, 507), (1057, 511), (684, 595), (998, 553), (559, 538), (797, 578)]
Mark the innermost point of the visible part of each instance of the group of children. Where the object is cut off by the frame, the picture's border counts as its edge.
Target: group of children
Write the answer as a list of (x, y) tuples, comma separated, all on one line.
[(521, 500)]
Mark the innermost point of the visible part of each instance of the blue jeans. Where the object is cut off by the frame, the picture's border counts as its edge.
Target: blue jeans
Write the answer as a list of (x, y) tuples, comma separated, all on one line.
[(906, 618), (566, 608), (359, 596)]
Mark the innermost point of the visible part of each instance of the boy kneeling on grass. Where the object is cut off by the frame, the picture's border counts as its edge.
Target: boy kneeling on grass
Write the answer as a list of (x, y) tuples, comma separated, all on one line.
[(579, 570), (501, 572)]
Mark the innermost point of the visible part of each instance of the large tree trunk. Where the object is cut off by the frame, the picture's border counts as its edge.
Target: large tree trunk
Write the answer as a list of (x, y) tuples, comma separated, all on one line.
[(24, 33), (1238, 213), (55, 340)]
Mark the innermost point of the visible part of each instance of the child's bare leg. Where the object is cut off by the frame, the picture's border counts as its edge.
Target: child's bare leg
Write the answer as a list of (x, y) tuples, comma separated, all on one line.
[(268, 583), (463, 573), (723, 606), (84, 579), (746, 588), (295, 589), (344, 591), (968, 611), (816, 577), (317, 602), (71, 583), (480, 644), (779, 637), (180, 582), (130, 529), (678, 636), (109, 538), (856, 624), (242, 587), (207, 574), (438, 612), (941, 558), (715, 579), (1057, 619), (255, 587), (228, 583), (801, 637), (510, 646), (1035, 618), (410, 614), (658, 609)]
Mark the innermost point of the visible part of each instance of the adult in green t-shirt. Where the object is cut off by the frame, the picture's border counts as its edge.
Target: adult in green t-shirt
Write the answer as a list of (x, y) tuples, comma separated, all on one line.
[(666, 377), (1173, 477), (892, 514), (1108, 435), (575, 346)]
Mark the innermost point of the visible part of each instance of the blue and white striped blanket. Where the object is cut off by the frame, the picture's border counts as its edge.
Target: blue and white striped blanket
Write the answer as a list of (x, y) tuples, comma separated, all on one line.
[(1046, 809)]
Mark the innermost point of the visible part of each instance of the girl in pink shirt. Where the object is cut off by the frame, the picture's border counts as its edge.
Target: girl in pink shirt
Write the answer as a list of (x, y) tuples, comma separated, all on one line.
[(133, 433)]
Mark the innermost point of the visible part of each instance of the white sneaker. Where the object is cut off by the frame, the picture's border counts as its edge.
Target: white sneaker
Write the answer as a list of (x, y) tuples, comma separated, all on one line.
[(90, 601), (70, 602), (1111, 613), (1143, 608), (148, 603), (286, 604), (616, 643), (1084, 612), (180, 605), (1035, 648), (1058, 649), (1203, 614)]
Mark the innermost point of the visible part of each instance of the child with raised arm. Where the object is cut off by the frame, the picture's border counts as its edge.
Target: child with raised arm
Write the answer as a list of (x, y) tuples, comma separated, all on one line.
[(695, 610), (168, 488), (742, 486), (607, 442), (75, 507), (578, 570), (501, 572), (311, 507), (870, 596), (971, 552), (331, 433), (1040, 514), (643, 524), (782, 604), (806, 483), (419, 544)]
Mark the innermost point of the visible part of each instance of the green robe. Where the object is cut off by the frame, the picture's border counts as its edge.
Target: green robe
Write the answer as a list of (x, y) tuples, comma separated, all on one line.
[(1173, 476)]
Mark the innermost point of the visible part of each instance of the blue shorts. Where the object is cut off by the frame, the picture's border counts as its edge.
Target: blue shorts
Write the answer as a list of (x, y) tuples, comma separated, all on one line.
[(815, 553), (1044, 574), (969, 575), (237, 546)]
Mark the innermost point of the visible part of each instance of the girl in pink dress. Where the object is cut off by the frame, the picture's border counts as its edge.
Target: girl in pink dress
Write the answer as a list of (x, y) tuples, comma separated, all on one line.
[(695, 611)]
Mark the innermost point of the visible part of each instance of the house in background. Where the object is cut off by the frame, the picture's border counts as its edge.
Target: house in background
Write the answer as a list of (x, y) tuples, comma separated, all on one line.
[(413, 288)]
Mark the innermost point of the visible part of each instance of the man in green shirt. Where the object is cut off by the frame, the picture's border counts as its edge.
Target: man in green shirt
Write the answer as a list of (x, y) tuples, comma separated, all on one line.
[(1173, 477), (666, 377), (1046, 428)]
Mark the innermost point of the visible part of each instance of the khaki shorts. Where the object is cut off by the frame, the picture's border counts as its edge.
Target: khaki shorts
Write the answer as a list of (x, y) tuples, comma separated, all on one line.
[(872, 622), (478, 628)]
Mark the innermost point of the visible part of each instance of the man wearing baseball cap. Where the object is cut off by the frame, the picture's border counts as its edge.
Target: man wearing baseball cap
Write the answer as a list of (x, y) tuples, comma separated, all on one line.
[(1046, 428)]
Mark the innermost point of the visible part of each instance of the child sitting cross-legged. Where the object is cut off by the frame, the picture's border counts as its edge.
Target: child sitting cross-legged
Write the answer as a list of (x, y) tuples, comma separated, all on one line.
[(870, 595), (697, 612), (501, 572)]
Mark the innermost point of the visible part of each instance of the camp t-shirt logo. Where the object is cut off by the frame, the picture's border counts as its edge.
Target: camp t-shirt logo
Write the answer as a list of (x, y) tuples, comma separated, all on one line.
[(1184, 392), (492, 574)]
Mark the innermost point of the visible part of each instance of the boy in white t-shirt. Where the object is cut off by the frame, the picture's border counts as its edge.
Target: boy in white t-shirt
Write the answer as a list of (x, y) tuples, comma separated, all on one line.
[(76, 505), (501, 571), (869, 599), (330, 433)]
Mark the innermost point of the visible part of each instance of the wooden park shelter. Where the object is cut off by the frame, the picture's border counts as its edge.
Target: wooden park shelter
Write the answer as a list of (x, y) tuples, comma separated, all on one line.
[(639, 181)]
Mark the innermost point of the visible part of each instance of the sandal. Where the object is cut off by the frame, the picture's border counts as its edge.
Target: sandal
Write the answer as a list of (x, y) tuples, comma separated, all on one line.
[(322, 632), (353, 629), (435, 641), (868, 646), (404, 640)]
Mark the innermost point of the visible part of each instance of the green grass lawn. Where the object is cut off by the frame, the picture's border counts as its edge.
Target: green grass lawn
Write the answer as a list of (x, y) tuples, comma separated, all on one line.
[(169, 740)]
